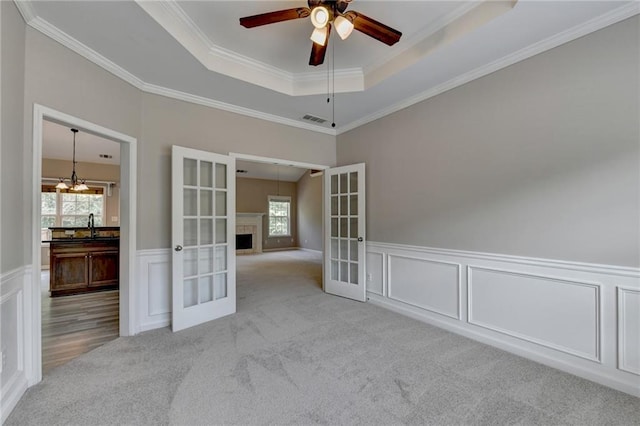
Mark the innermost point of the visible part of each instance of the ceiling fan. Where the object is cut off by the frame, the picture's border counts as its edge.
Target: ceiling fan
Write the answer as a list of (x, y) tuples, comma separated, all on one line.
[(323, 13)]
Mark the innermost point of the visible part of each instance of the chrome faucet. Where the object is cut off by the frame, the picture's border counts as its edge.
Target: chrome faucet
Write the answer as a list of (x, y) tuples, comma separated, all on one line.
[(91, 225)]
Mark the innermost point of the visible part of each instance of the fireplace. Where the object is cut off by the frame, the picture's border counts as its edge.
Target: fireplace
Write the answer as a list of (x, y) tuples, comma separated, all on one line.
[(249, 233), (244, 241)]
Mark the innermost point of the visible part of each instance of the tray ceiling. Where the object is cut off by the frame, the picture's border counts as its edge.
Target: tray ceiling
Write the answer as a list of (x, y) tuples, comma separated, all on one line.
[(198, 52)]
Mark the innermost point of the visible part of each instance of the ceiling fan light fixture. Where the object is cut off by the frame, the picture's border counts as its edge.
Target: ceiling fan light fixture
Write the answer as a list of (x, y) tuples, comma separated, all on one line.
[(344, 26), (320, 17), (319, 36)]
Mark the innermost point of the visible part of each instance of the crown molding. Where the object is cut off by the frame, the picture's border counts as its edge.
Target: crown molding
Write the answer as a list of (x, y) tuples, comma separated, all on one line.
[(86, 52), (170, 16), (81, 49), (25, 7), (571, 34), (182, 96)]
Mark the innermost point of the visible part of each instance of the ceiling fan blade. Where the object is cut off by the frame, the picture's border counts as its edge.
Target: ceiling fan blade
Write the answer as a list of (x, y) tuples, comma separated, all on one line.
[(318, 51), (317, 54), (273, 17), (374, 29)]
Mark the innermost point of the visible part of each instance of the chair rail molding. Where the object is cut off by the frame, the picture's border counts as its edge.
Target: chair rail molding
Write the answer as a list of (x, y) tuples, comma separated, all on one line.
[(581, 318)]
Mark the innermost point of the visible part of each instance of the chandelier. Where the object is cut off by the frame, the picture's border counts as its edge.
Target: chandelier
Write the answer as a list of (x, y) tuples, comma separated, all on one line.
[(75, 185)]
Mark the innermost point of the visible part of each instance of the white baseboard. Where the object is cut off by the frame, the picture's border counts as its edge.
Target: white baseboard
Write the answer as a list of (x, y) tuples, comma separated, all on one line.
[(264, 250), (583, 320), (310, 250), (567, 315), (15, 339)]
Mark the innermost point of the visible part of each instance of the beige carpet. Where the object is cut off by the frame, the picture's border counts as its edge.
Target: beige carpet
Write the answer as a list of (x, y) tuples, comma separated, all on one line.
[(294, 355)]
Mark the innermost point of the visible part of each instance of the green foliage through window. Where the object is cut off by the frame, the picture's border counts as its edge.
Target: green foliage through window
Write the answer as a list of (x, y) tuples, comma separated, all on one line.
[(279, 216), (69, 210)]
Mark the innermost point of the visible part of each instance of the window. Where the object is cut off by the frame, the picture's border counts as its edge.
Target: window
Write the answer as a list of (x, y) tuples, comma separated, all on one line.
[(63, 207), (279, 216)]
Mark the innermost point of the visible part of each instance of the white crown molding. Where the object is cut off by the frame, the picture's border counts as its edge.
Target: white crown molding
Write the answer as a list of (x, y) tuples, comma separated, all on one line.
[(66, 40), (25, 7), (571, 34), (83, 50), (187, 97), (170, 16), (86, 52)]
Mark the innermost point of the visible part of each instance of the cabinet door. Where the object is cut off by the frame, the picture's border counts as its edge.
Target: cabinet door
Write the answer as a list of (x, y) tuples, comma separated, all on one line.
[(103, 268), (68, 271)]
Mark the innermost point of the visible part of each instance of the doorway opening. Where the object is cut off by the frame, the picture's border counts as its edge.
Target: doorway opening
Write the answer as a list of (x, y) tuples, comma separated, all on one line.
[(125, 253), (279, 213), (80, 231)]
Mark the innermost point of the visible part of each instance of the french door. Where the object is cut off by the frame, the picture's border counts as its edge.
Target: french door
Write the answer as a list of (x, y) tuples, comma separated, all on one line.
[(344, 245), (203, 236)]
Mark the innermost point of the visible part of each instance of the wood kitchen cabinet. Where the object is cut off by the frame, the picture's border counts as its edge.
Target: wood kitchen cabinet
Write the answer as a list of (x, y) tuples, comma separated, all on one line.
[(81, 266)]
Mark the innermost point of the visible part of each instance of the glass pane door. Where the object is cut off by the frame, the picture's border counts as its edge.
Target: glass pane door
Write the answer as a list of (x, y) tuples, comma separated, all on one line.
[(345, 227), (203, 220)]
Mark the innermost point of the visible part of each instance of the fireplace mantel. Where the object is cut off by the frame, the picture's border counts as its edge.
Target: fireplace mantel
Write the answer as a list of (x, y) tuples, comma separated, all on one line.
[(250, 223)]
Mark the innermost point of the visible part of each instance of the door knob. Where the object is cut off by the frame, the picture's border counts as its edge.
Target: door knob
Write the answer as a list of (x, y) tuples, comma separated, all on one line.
[(178, 247), (360, 239)]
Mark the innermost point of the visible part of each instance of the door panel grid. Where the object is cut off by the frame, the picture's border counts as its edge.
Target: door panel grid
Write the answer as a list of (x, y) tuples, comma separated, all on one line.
[(344, 228), (201, 238)]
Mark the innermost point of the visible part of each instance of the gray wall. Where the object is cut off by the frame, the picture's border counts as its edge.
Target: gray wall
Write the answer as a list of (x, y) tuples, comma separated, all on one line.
[(539, 159), (166, 122), (12, 168), (252, 196), (58, 78), (310, 212)]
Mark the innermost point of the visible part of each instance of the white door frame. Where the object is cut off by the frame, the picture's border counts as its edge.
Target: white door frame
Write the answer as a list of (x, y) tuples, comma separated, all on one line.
[(128, 187), (278, 161), (282, 162)]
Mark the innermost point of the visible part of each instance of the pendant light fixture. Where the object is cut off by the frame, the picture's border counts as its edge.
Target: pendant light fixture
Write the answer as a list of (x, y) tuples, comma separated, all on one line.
[(75, 186)]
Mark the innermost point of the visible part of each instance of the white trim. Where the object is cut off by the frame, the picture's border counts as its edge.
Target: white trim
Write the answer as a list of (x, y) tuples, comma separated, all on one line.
[(128, 213), (615, 16), (598, 355), (26, 10), (158, 290), (309, 250), (212, 103), (458, 268), (624, 271), (564, 365), (621, 292), (15, 284), (595, 357), (171, 17), (278, 161)]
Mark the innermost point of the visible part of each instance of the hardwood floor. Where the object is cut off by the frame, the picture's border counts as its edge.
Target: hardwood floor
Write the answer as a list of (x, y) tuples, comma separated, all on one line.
[(73, 325)]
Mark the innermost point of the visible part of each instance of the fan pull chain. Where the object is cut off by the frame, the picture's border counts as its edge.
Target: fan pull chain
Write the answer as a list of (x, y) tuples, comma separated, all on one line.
[(333, 85)]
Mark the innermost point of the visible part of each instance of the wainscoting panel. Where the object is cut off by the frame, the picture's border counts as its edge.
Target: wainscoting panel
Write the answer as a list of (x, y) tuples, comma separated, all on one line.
[(577, 317), (154, 284), (559, 314), (375, 273), (629, 330), (425, 283), (13, 337)]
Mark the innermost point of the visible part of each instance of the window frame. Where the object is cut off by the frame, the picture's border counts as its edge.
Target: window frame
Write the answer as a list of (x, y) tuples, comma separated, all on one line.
[(278, 198), (96, 189)]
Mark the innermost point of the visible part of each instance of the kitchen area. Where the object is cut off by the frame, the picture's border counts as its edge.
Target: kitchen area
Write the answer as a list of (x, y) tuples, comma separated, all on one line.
[(80, 243)]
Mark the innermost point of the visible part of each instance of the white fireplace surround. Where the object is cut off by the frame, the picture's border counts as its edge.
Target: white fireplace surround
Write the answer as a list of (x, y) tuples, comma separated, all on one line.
[(250, 223)]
